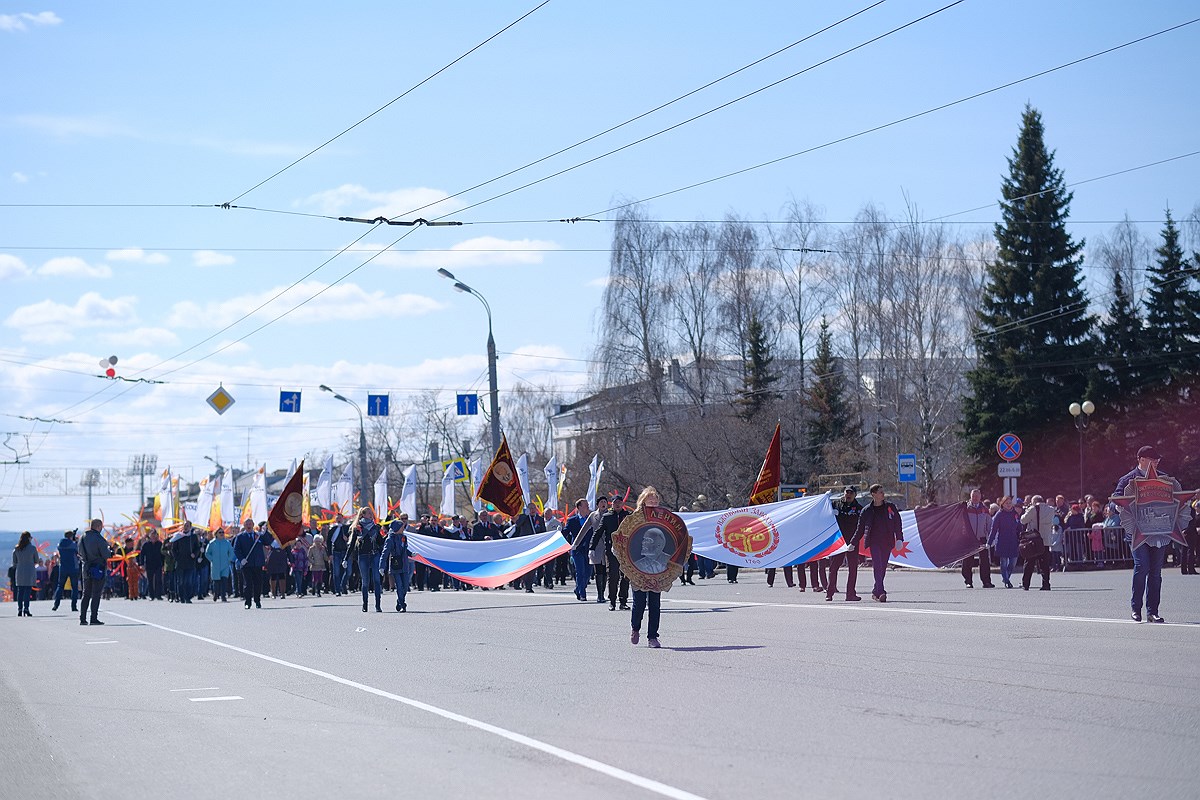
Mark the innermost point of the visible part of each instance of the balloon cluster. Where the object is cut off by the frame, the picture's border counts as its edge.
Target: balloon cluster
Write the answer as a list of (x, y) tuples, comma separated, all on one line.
[(108, 365)]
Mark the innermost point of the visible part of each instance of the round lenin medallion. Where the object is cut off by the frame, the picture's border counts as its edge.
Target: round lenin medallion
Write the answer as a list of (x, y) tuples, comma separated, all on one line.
[(652, 547)]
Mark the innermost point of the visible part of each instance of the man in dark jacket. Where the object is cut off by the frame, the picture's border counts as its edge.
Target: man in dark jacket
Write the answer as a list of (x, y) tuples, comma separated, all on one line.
[(68, 567), (339, 540), (579, 551), (879, 525), (250, 558), (528, 523), (186, 550), (618, 583), (93, 555), (847, 512), (151, 556)]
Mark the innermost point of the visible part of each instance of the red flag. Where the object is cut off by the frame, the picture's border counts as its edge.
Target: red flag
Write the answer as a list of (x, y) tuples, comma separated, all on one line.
[(285, 518), (766, 488), (500, 485)]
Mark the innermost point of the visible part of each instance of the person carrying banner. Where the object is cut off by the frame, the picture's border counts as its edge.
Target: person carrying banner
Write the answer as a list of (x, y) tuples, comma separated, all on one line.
[(396, 559), (644, 600), (618, 583), (1150, 553), (847, 512), (579, 534), (880, 528), (981, 524), (596, 557)]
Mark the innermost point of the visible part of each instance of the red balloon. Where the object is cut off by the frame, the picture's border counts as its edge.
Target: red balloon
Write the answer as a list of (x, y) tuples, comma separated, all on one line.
[(110, 372)]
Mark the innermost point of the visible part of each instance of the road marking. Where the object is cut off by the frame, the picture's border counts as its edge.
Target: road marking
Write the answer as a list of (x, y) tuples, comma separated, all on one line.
[(890, 609), (566, 755), (102, 641), (201, 689), (210, 699)]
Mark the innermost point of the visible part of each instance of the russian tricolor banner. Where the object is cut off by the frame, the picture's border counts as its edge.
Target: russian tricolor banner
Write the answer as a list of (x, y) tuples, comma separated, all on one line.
[(489, 563)]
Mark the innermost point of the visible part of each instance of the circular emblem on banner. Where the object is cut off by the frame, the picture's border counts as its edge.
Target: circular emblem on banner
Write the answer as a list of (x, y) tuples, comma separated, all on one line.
[(503, 473), (293, 507), (652, 546), (748, 535)]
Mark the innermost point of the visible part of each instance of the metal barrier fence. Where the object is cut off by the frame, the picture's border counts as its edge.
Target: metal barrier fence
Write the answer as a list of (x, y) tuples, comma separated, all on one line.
[(1083, 550)]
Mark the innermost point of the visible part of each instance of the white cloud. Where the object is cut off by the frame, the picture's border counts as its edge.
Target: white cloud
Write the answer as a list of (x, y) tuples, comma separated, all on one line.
[(598, 283), (63, 126), (136, 255), (145, 338), (12, 267), (22, 21), (48, 322), (358, 201), (20, 177), (347, 301), (478, 252), (74, 267), (211, 258)]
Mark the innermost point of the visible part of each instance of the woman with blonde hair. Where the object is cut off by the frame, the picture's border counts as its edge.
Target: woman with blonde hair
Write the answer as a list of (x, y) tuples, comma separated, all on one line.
[(643, 600)]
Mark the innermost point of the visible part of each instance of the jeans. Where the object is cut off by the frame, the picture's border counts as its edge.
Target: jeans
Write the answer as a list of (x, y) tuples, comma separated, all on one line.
[(640, 601), (340, 573), (401, 579), (879, 564), (62, 580), (1007, 565), (1147, 577), (370, 577), (299, 576), (185, 584), (583, 572)]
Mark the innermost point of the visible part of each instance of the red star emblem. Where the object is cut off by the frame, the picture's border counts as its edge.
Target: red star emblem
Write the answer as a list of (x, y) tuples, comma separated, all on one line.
[(901, 550)]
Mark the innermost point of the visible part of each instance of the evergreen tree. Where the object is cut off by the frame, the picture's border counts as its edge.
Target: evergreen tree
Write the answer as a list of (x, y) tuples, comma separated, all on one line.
[(1123, 351), (1173, 312), (832, 417), (1033, 337), (757, 376)]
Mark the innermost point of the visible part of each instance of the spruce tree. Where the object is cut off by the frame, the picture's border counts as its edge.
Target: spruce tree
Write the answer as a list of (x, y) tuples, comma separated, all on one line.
[(757, 376), (1033, 334), (1123, 350), (1173, 312), (831, 417)]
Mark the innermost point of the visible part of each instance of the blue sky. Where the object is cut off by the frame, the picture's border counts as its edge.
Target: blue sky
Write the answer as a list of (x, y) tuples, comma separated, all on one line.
[(124, 125)]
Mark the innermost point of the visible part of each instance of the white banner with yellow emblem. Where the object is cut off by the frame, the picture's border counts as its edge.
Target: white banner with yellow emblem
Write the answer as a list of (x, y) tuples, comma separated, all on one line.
[(770, 535)]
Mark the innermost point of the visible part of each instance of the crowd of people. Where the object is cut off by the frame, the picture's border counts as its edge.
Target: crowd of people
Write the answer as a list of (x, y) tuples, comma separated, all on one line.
[(358, 555)]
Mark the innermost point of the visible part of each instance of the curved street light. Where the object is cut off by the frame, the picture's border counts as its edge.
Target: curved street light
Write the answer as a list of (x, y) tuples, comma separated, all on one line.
[(362, 444), (493, 389)]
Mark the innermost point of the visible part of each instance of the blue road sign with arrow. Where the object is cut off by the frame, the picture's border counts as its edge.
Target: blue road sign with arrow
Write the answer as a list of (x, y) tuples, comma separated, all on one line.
[(377, 405), (289, 402)]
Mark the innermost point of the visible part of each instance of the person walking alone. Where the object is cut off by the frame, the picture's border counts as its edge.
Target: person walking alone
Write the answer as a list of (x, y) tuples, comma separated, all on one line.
[(93, 554)]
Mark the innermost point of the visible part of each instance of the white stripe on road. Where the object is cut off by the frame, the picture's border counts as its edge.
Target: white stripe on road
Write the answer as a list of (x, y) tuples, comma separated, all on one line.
[(210, 699), (891, 609), (566, 755), (201, 689), (102, 641)]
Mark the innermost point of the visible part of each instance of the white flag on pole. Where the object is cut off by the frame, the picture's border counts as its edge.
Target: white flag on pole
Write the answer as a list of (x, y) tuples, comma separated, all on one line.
[(523, 476), (324, 491), (551, 472), (476, 470), (381, 495), (596, 468), (343, 490), (408, 493), (448, 491)]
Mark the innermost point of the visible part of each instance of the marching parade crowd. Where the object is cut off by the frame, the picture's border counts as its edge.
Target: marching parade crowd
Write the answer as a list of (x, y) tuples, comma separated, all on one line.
[(360, 555)]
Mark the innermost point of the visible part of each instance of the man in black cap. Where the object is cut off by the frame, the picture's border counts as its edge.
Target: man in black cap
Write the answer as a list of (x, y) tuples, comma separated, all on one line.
[(1149, 557), (846, 511)]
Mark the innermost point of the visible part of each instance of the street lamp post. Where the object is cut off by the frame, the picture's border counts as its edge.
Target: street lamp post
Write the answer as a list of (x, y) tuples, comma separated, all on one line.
[(362, 445), (493, 389), (1082, 413)]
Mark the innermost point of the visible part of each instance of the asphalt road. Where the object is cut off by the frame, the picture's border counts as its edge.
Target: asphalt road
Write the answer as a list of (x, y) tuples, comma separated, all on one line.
[(757, 692)]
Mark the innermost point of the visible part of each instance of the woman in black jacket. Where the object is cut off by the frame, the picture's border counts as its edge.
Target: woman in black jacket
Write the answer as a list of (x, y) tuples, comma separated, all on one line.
[(365, 545)]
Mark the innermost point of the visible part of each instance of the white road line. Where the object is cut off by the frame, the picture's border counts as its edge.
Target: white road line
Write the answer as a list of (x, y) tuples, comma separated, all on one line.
[(201, 689), (639, 781), (210, 699), (102, 641), (891, 609)]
